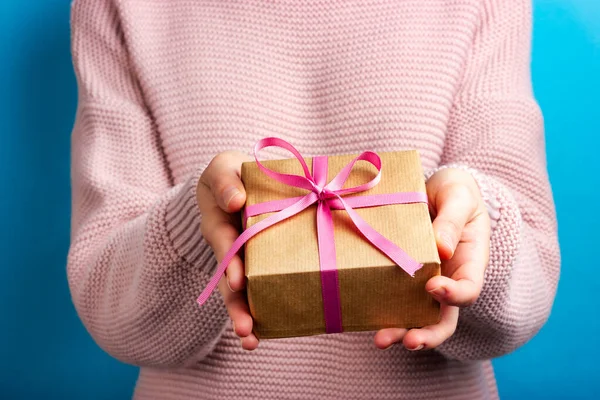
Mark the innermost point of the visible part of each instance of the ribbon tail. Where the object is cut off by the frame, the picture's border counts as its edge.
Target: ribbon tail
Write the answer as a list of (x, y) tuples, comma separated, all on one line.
[(294, 209), (395, 253)]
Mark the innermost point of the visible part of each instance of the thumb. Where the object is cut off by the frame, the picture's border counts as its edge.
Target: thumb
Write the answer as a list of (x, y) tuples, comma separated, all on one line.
[(222, 176), (455, 206)]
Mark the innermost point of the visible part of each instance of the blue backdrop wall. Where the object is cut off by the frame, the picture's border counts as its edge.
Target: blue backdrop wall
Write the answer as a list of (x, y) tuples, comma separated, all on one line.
[(46, 353)]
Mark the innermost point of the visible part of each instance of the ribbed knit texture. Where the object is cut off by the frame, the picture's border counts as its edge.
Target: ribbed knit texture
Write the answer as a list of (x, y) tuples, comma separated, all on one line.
[(166, 85)]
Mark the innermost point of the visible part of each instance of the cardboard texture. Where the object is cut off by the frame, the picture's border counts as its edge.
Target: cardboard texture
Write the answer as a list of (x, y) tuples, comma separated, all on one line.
[(282, 262)]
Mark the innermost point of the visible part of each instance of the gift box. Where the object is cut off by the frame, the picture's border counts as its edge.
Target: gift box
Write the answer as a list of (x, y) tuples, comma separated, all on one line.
[(283, 264)]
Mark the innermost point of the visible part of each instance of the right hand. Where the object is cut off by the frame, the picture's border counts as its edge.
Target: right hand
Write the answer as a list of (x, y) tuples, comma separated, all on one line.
[(221, 195)]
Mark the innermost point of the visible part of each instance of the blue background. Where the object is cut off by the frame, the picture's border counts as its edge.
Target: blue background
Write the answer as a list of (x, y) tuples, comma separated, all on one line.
[(46, 353)]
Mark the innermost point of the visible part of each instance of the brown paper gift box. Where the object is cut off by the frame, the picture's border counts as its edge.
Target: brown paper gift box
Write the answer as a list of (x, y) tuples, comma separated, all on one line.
[(282, 262)]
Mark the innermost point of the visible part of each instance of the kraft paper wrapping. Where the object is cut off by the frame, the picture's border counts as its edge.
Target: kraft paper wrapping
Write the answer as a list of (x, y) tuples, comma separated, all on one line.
[(282, 262)]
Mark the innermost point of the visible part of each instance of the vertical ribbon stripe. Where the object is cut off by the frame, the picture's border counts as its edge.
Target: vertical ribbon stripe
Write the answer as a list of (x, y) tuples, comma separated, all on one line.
[(330, 288)]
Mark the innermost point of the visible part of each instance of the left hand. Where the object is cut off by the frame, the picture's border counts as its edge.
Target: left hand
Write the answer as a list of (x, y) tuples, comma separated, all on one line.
[(462, 230)]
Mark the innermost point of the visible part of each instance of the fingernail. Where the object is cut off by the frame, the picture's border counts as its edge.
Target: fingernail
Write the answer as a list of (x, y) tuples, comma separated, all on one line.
[(233, 327), (229, 286), (229, 194), (447, 240), (438, 291), (419, 347), (389, 347)]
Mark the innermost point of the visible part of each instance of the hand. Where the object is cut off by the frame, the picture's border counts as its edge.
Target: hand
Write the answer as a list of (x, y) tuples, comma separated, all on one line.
[(221, 195), (462, 230)]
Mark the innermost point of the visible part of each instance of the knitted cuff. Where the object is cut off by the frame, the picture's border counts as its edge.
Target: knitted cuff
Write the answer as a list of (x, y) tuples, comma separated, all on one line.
[(492, 192), (183, 220)]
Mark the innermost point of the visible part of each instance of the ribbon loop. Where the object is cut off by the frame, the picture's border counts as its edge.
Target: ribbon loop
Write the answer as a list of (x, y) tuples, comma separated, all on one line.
[(307, 182), (337, 183)]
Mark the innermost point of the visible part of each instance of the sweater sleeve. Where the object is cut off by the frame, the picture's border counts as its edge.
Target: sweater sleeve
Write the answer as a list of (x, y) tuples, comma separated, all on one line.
[(496, 132), (137, 258)]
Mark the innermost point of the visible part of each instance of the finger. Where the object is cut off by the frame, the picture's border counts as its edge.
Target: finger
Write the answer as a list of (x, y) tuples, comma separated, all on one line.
[(455, 205), (432, 336), (385, 338), (462, 292), (249, 342), (466, 268), (222, 177), (238, 311), (219, 233), (241, 320)]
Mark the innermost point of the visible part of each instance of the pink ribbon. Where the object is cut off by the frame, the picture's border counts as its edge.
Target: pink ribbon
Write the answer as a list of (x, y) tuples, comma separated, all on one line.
[(328, 197)]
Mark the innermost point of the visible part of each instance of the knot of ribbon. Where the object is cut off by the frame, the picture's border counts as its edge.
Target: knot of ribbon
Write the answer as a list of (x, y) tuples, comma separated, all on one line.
[(327, 196)]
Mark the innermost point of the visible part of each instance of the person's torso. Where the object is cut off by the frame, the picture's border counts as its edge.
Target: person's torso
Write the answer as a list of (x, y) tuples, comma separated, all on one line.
[(331, 77)]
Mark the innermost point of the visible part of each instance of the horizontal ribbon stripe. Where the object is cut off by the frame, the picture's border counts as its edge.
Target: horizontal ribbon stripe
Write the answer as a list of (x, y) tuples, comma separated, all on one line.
[(372, 200)]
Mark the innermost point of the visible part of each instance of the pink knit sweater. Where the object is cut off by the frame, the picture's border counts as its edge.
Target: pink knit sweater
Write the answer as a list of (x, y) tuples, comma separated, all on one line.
[(166, 85)]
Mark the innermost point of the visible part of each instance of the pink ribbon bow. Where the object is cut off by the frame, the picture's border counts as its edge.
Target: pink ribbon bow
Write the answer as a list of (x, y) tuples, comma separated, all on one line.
[(327, 196)]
